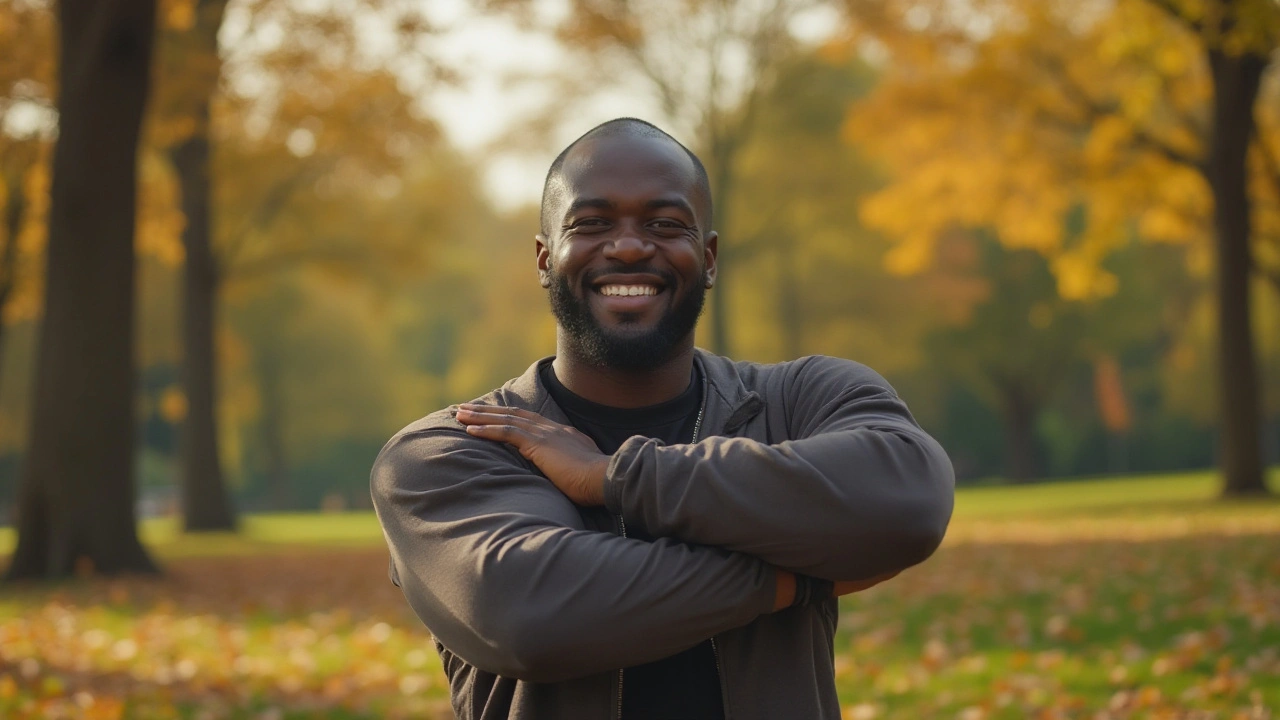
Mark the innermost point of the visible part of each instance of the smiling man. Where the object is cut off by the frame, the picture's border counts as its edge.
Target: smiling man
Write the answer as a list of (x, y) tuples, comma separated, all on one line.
[(636, 528)]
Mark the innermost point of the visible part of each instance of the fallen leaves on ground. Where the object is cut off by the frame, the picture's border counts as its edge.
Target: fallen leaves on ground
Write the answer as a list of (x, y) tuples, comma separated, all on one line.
[(1179, 628), (1008, 621), (295, 635)]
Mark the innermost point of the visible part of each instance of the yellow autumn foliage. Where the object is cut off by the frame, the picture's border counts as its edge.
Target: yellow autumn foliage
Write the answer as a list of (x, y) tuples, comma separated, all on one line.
[(1068, 128)]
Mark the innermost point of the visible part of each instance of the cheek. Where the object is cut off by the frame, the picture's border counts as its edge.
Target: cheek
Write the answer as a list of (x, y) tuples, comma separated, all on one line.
[(568, 257), (690, 260), (568, 266)]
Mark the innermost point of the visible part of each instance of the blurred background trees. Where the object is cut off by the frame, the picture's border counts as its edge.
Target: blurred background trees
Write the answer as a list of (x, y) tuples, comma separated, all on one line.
[(1075, 128), (1040, 220), (311, 70)]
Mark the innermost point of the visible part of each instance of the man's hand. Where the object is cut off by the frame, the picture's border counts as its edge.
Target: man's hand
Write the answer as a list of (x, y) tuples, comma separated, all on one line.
[(569, 459)]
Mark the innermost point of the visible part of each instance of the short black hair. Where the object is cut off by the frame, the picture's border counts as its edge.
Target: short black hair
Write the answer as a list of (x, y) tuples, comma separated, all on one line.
[(626, 126)]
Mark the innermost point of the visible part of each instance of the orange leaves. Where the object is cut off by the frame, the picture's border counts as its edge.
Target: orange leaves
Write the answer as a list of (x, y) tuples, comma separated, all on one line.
[(160, 218), (179, 15), (1109, 394)]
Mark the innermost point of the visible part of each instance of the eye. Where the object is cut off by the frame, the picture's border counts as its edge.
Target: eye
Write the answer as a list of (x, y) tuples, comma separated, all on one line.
[(668, 224), (588, 223)]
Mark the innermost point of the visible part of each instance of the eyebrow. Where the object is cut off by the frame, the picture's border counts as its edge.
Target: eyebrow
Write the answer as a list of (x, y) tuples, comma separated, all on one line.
[(677, 203), (603, 204), (582, 203)]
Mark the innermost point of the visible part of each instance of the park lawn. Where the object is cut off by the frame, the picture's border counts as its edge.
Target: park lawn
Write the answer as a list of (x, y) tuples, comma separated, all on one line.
[(258, 534), (1156, 501), (1122, 598)]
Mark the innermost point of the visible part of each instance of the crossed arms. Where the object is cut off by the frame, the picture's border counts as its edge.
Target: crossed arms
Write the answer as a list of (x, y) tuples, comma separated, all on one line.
[(496, 561)]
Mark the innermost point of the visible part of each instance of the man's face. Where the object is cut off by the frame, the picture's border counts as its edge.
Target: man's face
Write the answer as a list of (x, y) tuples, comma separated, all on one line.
[(627, 267)]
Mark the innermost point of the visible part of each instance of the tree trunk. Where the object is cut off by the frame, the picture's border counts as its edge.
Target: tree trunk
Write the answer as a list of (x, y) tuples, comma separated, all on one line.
[(1020, 435), (205, 502), (1235, 81), (76, 496), (1117, 452), (273, 441)]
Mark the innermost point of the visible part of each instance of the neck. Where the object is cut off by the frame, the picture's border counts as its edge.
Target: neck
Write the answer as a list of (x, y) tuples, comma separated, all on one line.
[(624, 388)]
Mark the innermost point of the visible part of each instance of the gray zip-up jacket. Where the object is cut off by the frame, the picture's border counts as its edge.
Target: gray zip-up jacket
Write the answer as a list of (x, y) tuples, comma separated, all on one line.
[(814, 466)]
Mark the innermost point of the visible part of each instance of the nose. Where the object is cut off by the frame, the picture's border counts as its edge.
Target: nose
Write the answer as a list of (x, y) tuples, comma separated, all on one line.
[(628, 248)]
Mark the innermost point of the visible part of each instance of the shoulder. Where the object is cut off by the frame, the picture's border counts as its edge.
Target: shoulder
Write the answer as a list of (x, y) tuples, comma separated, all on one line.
[(437, 450), (824, 371), (807, 374)]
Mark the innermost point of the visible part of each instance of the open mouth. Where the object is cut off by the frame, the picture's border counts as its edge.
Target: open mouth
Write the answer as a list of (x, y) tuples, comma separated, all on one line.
[(621, 290), (633, 287)]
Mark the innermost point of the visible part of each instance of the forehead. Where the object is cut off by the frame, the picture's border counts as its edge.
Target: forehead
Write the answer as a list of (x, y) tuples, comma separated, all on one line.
[(625, 169)]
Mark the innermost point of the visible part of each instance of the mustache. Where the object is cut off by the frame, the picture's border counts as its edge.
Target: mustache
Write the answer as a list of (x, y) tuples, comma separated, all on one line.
[(588, 280)]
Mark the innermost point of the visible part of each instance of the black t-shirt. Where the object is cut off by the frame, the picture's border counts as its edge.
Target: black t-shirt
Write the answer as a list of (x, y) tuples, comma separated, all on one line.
[(685, 686)]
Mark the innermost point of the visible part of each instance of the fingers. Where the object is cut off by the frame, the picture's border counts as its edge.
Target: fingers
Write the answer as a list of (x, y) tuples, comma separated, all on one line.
[(518, 437), (487, 415), (472, 410), (510, 425)]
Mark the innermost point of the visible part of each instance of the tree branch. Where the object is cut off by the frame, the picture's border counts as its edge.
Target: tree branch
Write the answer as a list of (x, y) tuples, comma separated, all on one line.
[(1095, 110), (271, 207)]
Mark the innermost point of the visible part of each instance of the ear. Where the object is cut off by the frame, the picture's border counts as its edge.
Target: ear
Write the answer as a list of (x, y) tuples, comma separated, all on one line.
[(709, 248), (544, 260)]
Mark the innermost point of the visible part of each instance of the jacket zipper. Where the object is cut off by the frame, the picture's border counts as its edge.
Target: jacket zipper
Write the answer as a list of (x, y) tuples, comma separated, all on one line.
[(622, 530), (724, 695), (715, 649)]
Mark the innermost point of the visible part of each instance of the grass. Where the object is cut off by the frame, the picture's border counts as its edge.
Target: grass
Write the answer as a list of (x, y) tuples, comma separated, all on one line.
[(258, 533), (1192, 494), (1142, 495), (1100, 599)]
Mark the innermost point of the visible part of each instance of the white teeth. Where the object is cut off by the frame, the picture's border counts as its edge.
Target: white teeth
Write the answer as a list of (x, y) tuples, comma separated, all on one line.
[(628, 290)]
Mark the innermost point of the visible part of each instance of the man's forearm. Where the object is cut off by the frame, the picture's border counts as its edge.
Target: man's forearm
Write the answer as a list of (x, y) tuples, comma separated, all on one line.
[(816, 505)]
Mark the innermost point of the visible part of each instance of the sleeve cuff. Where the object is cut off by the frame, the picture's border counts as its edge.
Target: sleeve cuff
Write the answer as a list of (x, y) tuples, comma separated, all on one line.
[(615, 474)]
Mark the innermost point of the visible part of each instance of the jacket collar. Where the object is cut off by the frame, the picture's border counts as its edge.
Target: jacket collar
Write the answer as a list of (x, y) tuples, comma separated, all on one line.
[(728, 403)]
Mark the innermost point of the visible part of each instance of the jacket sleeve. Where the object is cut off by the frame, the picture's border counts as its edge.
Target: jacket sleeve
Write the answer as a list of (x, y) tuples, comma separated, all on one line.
[(860, 489), (496, 563)]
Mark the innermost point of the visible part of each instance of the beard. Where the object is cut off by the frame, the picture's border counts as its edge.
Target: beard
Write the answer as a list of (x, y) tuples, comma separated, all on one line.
[(639, 349)]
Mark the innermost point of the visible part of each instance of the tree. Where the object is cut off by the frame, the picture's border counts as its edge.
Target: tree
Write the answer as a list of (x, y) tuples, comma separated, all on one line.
[(76, 498), (190, 45), (1136, 115), (194, 74), (1237, 51), (816, 271), (1016, 349)]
